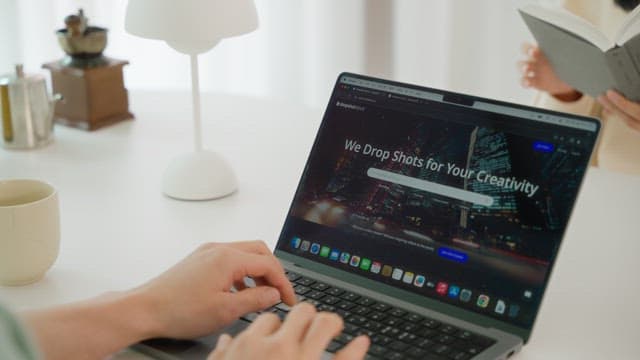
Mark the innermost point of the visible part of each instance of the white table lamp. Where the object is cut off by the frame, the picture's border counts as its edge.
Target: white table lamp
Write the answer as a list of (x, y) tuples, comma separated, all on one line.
[(193, 27)]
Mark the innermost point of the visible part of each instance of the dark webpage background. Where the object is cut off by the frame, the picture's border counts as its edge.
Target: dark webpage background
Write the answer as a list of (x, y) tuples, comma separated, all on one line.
[(515, 240)]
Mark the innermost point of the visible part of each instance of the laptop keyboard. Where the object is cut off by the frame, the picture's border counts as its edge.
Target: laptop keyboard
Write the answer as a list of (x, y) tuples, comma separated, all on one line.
[(394, 333)]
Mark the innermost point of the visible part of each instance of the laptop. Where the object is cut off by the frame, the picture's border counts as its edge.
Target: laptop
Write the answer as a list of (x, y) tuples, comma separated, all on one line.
[(428, 220)]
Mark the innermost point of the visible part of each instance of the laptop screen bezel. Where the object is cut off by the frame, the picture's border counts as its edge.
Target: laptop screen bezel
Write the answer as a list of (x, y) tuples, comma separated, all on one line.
[(456, 99)]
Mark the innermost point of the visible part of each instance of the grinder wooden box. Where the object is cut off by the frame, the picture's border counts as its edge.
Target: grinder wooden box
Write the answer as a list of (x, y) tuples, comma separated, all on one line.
[(93, 97)]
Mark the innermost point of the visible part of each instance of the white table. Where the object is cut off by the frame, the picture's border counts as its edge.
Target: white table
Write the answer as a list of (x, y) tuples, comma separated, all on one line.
[(118, 230)]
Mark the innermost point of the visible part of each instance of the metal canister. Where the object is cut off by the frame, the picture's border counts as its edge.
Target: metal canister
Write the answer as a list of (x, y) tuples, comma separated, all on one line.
[(26, 109), (5, 107)]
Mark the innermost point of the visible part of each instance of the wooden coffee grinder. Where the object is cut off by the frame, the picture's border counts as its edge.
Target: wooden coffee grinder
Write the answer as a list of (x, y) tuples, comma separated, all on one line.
[(92, 85)]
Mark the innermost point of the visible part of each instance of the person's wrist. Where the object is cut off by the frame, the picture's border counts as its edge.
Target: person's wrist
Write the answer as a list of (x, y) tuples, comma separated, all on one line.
[(568, 96), (142, 308)]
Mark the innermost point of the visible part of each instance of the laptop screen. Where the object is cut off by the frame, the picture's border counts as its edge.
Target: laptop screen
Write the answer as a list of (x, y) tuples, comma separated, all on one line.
[(459, 199)]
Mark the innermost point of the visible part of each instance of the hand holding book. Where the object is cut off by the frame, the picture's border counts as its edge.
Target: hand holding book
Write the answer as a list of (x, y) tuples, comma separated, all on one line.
[(537, 73), (623, 108)]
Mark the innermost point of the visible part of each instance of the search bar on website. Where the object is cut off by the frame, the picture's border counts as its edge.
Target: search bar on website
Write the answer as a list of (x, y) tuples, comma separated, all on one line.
[(431, 187)]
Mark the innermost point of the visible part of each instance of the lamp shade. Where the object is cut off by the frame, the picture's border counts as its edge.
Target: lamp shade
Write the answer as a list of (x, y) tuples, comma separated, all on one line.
[(190, 26)]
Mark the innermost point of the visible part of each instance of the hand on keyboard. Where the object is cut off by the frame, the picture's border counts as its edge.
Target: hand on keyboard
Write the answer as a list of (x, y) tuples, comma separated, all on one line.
[(304, 334)]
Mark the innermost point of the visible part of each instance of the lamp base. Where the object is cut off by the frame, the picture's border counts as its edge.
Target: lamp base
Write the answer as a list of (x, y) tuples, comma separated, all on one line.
[(201, 175)]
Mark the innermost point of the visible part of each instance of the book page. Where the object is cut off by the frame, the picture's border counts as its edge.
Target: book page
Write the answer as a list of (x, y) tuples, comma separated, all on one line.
[(563, 19), (630, 27)]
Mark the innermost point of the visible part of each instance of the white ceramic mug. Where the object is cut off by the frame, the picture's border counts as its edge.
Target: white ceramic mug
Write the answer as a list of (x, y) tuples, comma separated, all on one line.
[(29, 230)]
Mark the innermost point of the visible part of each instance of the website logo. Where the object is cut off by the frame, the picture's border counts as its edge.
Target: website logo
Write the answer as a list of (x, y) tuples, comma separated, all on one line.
[(419, 281), (376, 267), (305, 245), (454, 291), (441, 288), (315, 248), (500, 307), (397, 274), (431, 284), (386, 270), (483, 301), (295, 242), (355, 261), (344, 257), (465, 295), (408, 277), (365, 264), (324, 252), (335, 254)]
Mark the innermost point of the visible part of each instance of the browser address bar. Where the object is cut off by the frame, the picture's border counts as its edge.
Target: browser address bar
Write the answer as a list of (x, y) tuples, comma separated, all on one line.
[(431, 187)]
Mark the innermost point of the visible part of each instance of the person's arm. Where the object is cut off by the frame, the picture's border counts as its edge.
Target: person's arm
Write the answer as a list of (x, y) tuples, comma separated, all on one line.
[(191, 299)]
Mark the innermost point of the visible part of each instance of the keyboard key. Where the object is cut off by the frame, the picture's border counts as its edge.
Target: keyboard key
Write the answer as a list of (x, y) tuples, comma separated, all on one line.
[(356, 319), (325, 307), (371, 357), (381, 340), (351, 329), (394, 356), (448, 329), (377, 350), (389, 331), (397, 312), (301, 289), (392, 321), (372, 325), (445, 339), (414, 317), (381, 307), (305, 281), (345, 305), (314, 294), (320, 286), (331, 300), (464, 335), (377, 316), (427, 333), (361, 310), (344, 338), (349, 296), (408, 327), (334, 346), (365, 301), (334, 291), (431, 324), (292, 276), (416, 352), (343, 313), (398, 346), (425, 343), (284, 307), (441, 349), (406, 337)]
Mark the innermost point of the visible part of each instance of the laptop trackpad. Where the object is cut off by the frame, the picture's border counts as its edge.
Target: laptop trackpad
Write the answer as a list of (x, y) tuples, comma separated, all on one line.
[(192, 349)]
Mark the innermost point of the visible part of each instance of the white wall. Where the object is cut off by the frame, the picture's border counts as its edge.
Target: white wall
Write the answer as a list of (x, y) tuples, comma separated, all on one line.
[(301, 46)]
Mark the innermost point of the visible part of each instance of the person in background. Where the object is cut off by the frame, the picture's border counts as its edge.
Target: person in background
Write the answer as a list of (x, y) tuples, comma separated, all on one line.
[(619, 146), (191, 299)]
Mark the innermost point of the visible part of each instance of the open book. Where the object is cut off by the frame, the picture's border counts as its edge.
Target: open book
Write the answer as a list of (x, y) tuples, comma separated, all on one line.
[(583, 56)]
